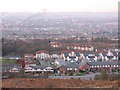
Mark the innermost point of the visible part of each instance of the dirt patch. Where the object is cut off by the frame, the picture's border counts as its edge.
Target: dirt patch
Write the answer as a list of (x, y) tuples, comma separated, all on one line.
[(56, 83)]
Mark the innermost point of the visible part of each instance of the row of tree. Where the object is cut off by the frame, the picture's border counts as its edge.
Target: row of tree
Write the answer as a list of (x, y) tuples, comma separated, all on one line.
[(20, 47)]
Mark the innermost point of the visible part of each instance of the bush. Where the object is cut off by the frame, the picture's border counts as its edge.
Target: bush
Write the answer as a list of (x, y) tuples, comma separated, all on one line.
[(105, 76)]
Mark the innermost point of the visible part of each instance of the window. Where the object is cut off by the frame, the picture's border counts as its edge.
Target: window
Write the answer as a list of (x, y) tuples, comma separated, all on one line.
[(91, 56), (75, 68), (67, 68), (109, 57), (70, 68)]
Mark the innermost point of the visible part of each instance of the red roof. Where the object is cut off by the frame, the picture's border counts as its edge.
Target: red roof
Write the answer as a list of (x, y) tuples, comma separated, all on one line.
[(68, 51), (42, 51), (102, 51)]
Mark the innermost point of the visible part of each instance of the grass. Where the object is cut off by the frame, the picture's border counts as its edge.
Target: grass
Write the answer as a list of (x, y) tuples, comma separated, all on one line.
[(8, 61), (80, 74)]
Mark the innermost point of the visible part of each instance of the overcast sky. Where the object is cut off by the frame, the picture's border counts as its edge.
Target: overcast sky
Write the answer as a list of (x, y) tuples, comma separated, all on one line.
[(58, 5)]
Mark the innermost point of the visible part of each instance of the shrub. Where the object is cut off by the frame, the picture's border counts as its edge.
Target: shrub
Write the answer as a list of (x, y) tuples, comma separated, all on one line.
[(50, 85)]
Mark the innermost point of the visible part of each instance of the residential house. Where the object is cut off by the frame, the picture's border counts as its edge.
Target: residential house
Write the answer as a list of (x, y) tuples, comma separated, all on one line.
[(38, 69), (83, 66), (71, 56), (60, 62), (11, 68), (12, 57), (56, 44), (106, 65), (74, 46), (101, 57), (91, 56), (116, 54), (55, 56), (83, 47), (29, 60), (29, 56), (29, 63), (28, 69), (42, 55), (110, 56), (69, 68), (15, 69)]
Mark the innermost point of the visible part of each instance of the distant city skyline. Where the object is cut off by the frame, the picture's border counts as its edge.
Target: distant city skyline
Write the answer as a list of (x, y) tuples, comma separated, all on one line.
[(59, 5)]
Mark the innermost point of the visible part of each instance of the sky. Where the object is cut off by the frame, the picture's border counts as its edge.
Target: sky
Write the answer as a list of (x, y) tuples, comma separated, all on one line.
[(59, 5)]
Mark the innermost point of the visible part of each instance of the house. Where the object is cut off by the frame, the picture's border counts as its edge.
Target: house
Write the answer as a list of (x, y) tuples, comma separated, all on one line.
[(60, 62), (91, 55), (28, 69), (21, 62), (101, 57), (11, 68), (116, 54), (49, 69), (71, 56), (110, 56), (12, 57), (6, 69), (15, 69), (83, 66), (68, 68), (28, 60), (42, 54), (29, 56), (117, 50), (83, 47), (56, 44), (106, 65), (38, 69), (55, 56), (74, 46), (30, 63)]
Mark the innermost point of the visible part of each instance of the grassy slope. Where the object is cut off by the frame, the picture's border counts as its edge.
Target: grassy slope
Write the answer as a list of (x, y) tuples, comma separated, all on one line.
[(8, 61)]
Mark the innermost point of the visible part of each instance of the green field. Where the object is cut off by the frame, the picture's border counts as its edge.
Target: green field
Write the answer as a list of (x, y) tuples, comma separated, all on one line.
[(8, 61)]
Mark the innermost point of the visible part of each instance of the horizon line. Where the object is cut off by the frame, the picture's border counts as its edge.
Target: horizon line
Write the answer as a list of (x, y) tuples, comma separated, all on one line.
[(59, 12)]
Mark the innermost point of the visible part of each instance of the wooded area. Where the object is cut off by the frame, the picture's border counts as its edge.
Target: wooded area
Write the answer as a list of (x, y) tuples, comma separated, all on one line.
[(20, 47)]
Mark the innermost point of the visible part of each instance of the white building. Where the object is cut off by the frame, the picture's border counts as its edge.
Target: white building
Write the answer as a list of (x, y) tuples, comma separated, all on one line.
[(110, 56), (42, 54), (71, 56)]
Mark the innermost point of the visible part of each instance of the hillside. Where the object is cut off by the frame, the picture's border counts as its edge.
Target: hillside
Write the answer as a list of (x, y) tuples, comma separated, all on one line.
[(57, 83)]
